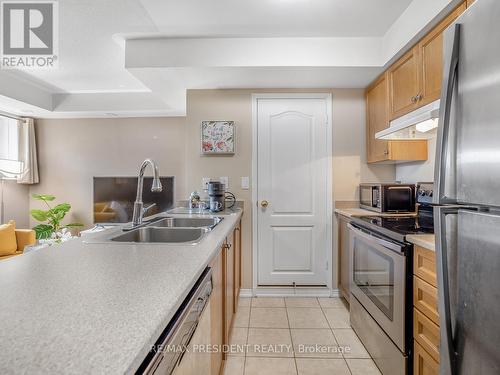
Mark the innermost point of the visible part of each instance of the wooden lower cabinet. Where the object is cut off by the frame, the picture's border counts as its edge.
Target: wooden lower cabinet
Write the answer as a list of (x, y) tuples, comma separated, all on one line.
[(423, 364), (424, 264), (229, 301), (237, 265), (426, 334), (425, 298), (344, 260)]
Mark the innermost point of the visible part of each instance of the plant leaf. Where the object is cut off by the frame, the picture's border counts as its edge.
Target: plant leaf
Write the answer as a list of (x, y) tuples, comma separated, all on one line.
[(64, 207), (39, 215), (43, 197), (43, 231)]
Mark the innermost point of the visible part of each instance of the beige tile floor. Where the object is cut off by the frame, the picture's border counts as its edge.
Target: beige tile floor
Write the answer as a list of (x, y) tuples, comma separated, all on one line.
[(296, 336)]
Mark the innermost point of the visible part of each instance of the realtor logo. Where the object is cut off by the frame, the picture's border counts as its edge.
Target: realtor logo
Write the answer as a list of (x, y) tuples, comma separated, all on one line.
[(29, 34)]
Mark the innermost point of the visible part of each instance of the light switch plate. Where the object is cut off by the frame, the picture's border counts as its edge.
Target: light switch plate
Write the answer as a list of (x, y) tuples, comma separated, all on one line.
[(245, 183), (204, 183), (225, 181)]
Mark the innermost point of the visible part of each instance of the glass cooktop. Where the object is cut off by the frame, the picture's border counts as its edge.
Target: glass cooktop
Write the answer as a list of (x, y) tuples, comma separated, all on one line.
[(403, 225)]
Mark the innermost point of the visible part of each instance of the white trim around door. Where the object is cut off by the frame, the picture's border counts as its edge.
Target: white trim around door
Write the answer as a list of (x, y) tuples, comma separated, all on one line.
[(267, 290)]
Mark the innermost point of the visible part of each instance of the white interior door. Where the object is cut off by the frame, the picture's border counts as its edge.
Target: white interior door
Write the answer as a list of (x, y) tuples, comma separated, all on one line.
[(292, 167)]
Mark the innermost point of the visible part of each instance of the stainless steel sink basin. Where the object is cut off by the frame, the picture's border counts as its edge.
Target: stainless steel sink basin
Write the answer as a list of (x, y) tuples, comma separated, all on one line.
[(162, 235), (187, 222)]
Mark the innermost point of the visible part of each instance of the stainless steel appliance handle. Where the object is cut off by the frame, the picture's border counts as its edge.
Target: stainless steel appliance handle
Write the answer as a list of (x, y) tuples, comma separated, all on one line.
[(449, 81), (447, 356), (447, 351), (399, 188), (375, 238)]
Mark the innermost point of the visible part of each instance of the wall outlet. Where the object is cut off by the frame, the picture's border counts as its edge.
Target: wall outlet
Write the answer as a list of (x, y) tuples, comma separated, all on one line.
[(204, 183), (245, 183), (225, 181)]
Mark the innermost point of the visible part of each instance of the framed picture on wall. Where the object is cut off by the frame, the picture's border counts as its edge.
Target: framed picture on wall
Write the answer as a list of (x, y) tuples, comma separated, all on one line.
[(217, 137)]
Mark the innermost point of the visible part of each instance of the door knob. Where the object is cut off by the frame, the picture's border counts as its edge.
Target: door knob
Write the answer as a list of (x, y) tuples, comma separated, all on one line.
[(264, 203)]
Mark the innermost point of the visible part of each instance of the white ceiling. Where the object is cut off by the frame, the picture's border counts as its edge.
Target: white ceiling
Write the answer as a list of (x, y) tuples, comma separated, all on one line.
[(89, 59), (341, 18), (138, 57)]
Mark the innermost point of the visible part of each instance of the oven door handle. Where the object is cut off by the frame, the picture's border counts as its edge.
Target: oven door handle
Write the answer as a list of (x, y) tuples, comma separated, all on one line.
[(399, 188), (375, 238)]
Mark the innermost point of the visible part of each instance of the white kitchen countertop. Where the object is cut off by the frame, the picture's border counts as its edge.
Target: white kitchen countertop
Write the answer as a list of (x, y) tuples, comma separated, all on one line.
[(424, 240), (95, 307)]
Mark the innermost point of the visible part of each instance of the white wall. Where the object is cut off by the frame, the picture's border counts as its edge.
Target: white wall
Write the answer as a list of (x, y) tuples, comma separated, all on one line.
[(16, 203), (418, 171), (72, 152)]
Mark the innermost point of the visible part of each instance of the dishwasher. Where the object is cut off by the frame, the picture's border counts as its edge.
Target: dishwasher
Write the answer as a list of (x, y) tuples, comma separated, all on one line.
[(170, 352)]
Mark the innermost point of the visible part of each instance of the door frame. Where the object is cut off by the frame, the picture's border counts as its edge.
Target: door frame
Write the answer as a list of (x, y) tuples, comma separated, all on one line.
[(313, 291)]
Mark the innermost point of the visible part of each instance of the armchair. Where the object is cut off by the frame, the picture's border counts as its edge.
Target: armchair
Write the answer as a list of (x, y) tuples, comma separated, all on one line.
[(13, 241)]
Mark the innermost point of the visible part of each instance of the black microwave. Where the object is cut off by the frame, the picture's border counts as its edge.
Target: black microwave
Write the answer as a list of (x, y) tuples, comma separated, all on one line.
[(387, 197)]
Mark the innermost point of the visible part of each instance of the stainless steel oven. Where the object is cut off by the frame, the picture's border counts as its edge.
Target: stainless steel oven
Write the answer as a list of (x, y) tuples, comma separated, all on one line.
[(379, 280)]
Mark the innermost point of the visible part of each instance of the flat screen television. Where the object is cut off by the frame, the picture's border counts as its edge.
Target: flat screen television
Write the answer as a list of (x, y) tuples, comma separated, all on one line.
[(114, 198)]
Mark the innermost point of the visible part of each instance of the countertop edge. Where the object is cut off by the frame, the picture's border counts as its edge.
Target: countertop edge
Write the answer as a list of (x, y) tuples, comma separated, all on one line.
[(426, 241)]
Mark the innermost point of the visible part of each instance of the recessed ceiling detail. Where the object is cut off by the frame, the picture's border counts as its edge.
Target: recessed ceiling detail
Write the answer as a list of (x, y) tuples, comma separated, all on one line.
[(138, 57)]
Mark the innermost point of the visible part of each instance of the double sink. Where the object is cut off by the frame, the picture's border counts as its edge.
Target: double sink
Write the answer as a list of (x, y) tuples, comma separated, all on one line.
[(175, 230)]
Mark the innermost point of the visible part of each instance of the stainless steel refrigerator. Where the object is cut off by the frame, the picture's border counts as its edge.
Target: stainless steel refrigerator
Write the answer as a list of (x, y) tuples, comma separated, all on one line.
[(467, 179)]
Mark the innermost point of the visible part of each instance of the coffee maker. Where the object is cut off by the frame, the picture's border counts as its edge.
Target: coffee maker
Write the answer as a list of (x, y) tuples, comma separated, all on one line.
[(218, 195)]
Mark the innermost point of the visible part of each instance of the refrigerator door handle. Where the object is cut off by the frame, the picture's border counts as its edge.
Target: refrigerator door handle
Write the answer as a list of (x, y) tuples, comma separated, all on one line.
[(447, 351), (449, 81)]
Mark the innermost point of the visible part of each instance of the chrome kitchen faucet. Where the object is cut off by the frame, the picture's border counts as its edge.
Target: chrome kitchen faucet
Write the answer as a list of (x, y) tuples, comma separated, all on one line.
[(155, 188)]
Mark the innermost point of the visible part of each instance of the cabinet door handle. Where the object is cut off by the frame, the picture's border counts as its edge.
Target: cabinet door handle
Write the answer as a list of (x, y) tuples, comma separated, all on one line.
[(386, 152), (420, 97), (413, 99)]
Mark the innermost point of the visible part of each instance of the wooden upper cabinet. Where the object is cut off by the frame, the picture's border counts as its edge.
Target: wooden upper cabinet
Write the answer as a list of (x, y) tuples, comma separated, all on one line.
[(377, 119), (404, 84), (415, 79), (430, 53)]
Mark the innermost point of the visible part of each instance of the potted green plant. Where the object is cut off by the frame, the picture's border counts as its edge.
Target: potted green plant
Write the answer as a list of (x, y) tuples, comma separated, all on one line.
[(51, 230)]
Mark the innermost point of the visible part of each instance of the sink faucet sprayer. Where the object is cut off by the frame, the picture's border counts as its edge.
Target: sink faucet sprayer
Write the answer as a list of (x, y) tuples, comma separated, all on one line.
[(155, 188)]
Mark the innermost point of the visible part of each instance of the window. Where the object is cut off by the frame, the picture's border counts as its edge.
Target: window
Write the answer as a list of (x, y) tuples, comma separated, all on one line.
[(9, 139)]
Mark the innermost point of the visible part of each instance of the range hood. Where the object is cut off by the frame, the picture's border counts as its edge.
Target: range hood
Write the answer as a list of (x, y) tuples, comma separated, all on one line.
[(419, 124)]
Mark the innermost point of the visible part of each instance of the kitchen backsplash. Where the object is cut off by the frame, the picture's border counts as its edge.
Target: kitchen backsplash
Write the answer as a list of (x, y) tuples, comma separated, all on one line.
[(418, 171)]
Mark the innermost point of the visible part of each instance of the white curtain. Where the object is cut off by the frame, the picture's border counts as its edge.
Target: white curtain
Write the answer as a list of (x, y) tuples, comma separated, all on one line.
[(27, 152)]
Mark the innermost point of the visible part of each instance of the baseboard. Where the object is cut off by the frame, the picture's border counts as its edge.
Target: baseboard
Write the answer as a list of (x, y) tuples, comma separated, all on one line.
[(287, 292), (335, 293), (246, 293)]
